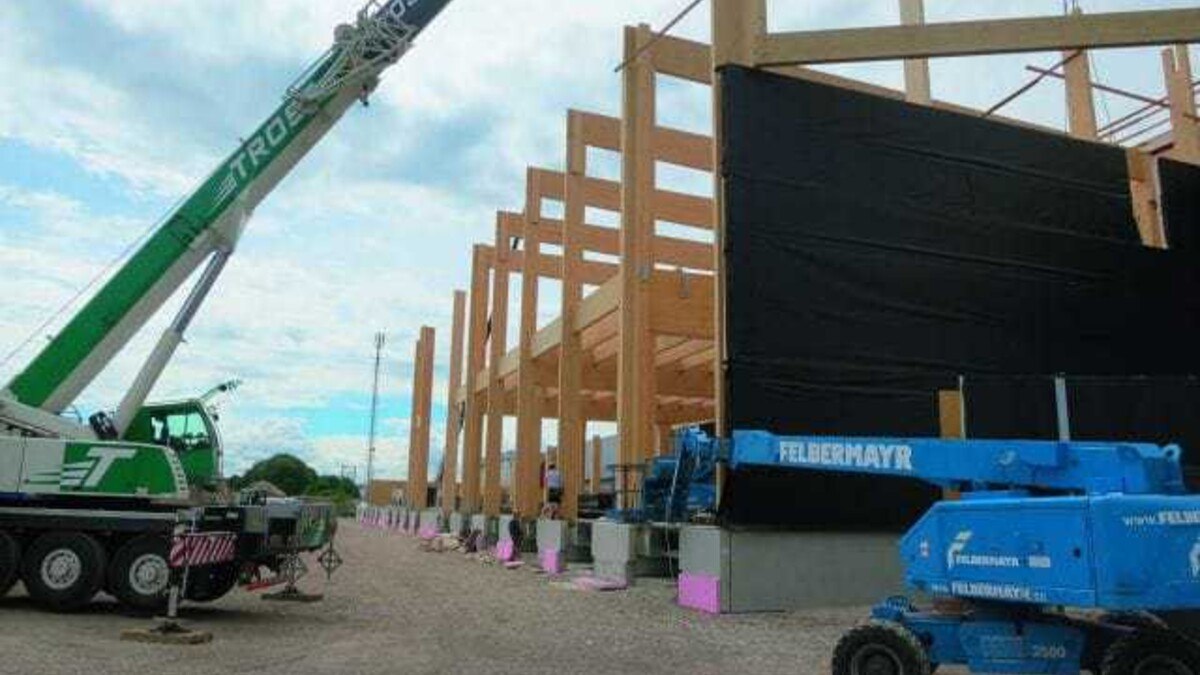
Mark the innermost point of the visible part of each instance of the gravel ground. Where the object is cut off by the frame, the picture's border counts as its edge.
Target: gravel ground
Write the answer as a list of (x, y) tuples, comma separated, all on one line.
[(395, 609)]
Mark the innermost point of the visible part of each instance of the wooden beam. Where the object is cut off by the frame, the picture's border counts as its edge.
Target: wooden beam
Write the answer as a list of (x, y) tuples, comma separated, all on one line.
[(917, 87), (1177, 67), (1143, 188), (495, 409), (481, 259), (682, 58), (454, 414), (737, 27), (682, 304), (572, 427), (635, 380), (967, 38), (1081, 103), (418, 441), (526, 488), (696, 255), (673, 146)]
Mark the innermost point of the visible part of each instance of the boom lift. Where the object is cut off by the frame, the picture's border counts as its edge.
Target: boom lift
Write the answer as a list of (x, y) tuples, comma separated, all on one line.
[(89, 506), (1044, 533)]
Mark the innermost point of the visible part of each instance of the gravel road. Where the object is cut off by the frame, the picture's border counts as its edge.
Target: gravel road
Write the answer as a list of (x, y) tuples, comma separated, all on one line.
[(395, 609)]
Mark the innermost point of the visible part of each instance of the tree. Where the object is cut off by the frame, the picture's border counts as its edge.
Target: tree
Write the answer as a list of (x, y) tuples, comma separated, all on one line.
[(286, 472)]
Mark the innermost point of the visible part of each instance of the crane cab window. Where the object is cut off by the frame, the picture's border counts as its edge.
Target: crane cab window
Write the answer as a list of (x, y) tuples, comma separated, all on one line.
[(181, 431)]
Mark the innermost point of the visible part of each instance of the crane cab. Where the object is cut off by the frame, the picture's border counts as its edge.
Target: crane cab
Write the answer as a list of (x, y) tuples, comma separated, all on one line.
[(189, 428)]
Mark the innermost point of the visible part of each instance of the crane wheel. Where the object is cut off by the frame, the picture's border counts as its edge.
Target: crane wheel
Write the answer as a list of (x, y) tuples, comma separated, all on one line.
[(10, 562), (1152, 652), (139, 575), (63, 570), (880, 648)]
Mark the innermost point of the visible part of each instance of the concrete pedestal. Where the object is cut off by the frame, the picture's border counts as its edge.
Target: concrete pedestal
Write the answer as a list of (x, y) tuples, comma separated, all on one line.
[(553, 542), (459, 524), (623, 551), (733, 571), (430, 523)]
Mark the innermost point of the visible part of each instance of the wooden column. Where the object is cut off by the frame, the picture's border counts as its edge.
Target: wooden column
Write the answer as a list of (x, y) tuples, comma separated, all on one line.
[(454, 414), (917, 87), (1081, 102), (597, 464), (418, 441), (526, 485), (1143, 188), (499, 345), (571, 424), (635, 377), (1177, 67), (952, 422), (664, 439), (736, 27), (481, 260)]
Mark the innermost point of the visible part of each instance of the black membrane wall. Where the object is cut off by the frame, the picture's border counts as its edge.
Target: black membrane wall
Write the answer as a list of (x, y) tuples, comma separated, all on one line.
[(877, 252)]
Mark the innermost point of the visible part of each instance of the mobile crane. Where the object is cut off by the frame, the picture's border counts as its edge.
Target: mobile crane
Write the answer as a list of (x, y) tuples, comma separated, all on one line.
[(1052, 558), (91, 507)]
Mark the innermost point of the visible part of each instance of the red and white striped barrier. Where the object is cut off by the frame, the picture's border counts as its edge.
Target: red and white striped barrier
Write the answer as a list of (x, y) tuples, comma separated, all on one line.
[(203, 548)]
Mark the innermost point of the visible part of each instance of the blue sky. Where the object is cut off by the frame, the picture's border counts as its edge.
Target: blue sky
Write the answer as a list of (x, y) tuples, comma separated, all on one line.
[(114, 109)]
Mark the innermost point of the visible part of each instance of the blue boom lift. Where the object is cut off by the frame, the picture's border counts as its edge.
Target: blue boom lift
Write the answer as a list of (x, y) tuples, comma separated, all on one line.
[(1053, 560)]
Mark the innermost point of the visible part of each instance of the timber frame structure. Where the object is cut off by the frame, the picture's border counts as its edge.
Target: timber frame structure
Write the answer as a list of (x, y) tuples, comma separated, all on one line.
[(639, 341)]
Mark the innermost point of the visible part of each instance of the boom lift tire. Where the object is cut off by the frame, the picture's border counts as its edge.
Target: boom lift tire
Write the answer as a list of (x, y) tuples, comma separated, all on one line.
[(10, 562), (206, 584), (139, 574), (64, 570), (1152, 652), (881, 648)]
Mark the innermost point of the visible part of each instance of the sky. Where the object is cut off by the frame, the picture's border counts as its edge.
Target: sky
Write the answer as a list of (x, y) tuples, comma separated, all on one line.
[(113, 110)]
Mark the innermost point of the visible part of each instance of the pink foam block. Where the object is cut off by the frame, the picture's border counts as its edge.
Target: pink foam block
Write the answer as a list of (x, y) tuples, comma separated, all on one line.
[(700, 591), (551, 561), (428, 533)]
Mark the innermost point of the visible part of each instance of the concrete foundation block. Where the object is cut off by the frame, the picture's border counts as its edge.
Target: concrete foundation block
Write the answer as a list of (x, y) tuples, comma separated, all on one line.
[(624, 551), (553, 542), (429, 524), (736, 571), (459, 523)]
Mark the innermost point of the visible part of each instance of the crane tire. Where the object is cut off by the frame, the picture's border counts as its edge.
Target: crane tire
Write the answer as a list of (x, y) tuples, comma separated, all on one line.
[(1154, 652), (10, 562), (139, 574), (63, 571), (880, 648)]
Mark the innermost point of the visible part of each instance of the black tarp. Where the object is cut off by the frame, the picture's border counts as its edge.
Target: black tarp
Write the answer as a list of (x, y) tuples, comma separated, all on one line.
[(876, 251)]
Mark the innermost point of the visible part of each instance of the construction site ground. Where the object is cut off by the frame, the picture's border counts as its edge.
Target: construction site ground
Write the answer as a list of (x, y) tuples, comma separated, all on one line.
[(396, 609)]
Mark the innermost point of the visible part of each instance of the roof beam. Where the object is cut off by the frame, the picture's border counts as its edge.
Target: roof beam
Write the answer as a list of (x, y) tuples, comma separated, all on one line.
[(967, 38)]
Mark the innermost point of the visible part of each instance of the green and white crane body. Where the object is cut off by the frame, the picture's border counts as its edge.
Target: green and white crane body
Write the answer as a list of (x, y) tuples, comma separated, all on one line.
[(82, 504)]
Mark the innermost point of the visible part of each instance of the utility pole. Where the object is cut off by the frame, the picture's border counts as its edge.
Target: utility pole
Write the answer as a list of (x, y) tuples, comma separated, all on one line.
[(380, 339)]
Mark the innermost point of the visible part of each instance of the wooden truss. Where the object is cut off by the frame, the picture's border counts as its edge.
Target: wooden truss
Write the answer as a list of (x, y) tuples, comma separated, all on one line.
[(638, 340)]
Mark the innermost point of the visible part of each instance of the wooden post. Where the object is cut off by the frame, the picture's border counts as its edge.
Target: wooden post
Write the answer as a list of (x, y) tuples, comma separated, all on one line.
[(526, 486), (418, 442), (1177, 67), (952, 422), (499, 345), (481, 257), (1143, 188), (453, 412), (635, 377), (736, 27), (917, 87), (597, 464), (571, 425)]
